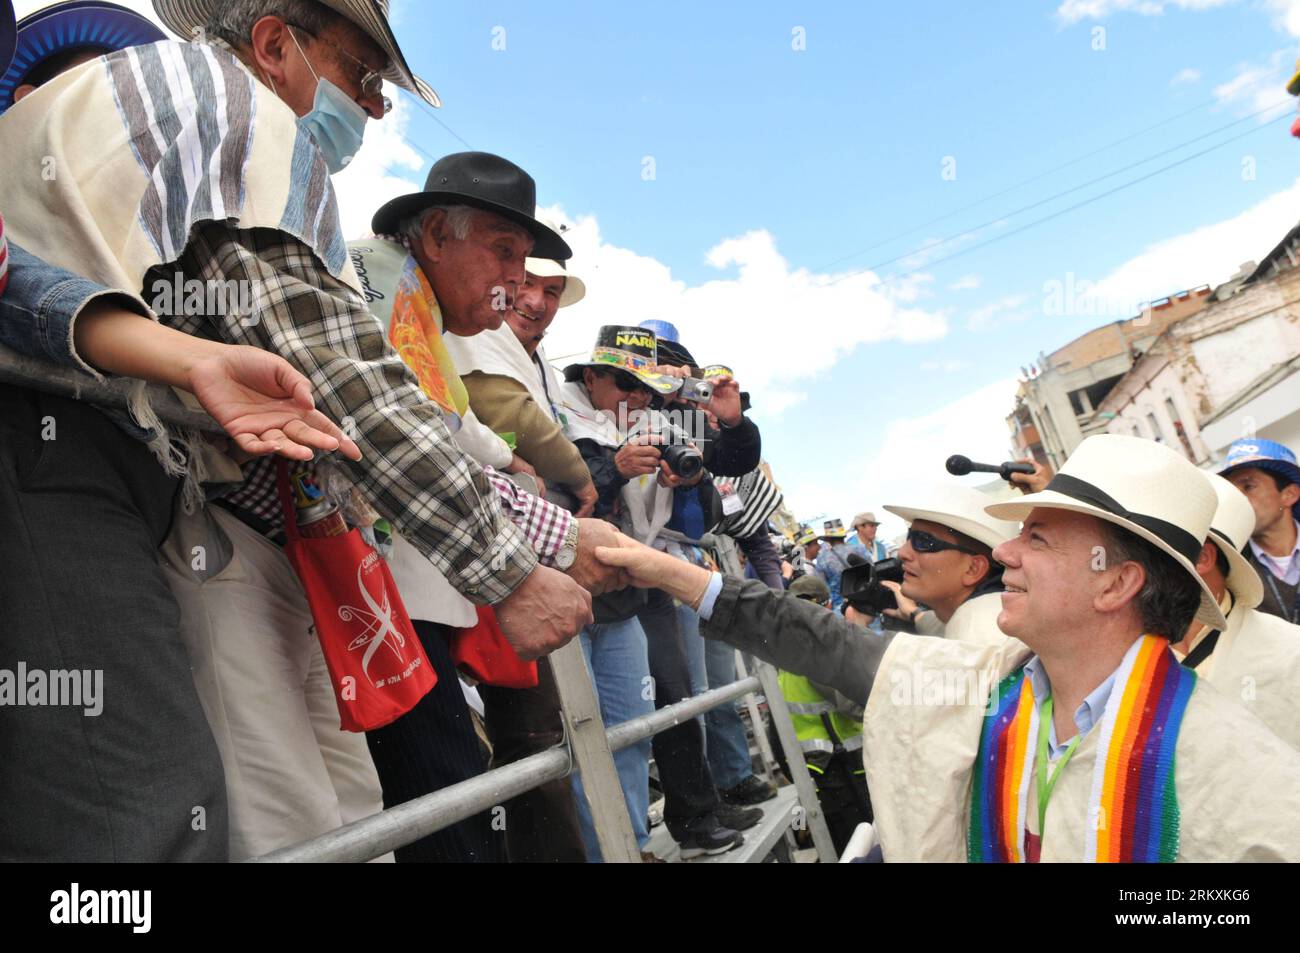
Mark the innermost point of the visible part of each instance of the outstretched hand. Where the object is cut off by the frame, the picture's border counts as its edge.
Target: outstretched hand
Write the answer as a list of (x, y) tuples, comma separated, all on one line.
[(649, 568), (264, 404)]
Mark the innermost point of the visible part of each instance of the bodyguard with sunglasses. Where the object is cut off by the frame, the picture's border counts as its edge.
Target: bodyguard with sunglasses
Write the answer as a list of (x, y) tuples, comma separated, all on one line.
[(948, 566)]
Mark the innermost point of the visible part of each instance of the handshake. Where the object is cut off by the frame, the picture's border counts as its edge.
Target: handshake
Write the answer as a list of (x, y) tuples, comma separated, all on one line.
[(550, 607)]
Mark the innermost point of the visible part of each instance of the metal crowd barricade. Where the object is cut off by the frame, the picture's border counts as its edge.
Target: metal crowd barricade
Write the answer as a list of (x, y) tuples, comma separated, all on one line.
[(588, 747)]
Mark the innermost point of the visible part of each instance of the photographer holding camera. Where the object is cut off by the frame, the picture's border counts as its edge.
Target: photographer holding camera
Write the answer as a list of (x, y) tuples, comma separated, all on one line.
[(606, 402)]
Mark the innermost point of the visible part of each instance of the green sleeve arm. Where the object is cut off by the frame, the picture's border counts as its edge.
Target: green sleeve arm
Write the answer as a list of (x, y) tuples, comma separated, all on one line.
[(506, 406)]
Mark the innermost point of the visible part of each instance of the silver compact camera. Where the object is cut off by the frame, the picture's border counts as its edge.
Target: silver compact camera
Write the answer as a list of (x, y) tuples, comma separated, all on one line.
[(695, 390)]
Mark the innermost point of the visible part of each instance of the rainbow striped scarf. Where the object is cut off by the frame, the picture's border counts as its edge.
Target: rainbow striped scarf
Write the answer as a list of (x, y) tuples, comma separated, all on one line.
[(1133, 807)]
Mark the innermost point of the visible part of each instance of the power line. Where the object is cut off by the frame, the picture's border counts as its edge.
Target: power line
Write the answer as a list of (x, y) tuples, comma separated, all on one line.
[(1079, 205), (1021, 184), (1073, 189), (432, 115), (1050, 198)]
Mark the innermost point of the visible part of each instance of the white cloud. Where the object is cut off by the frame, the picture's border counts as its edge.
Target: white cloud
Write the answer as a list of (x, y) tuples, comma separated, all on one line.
[(1005, 310), (778, 327), (1072, 11), (910, 456), (948, 367), (966, 283), (1257, 86), (1286, 15), (1207, 255), (1185, 77)]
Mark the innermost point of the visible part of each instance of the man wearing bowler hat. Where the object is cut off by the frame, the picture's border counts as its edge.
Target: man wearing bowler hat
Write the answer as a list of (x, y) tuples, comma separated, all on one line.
[(514, 390), (1080, 737), (447, 264)]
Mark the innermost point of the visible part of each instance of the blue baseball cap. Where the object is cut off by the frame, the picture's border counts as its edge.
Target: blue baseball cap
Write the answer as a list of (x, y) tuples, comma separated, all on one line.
[(664, 330), (60, 27), (1263, 455)]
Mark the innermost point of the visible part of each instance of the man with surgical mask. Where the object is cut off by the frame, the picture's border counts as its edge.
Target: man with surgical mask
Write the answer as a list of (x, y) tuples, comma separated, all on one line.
[(251, 104)]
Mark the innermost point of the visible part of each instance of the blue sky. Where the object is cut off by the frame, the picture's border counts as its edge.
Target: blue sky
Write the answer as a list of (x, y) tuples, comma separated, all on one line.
[(782, 179), (839, 147)]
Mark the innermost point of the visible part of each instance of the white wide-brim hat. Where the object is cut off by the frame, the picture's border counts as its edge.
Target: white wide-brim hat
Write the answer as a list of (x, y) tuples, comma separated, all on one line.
[(184, 17), (1233, 522), (575, 289), (960, 508), (1142, 486)]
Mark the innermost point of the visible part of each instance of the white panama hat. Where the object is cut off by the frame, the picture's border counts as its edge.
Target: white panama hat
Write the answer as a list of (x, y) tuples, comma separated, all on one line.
[(1233, 523), (1142, 486), (575, 289), (959, 508)]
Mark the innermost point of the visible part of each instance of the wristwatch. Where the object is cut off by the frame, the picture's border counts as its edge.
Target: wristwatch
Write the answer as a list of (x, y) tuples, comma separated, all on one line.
[(564, 559)]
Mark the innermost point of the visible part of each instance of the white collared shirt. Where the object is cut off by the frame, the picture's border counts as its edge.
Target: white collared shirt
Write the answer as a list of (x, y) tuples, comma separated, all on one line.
[(1286, 568)]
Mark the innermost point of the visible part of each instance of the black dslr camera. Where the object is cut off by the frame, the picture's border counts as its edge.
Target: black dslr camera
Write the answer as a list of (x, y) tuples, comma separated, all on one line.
[(682, 459), (860, 584)]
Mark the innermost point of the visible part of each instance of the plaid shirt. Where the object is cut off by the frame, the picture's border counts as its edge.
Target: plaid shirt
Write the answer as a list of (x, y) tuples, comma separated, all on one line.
[(411, 470), (543, 524)]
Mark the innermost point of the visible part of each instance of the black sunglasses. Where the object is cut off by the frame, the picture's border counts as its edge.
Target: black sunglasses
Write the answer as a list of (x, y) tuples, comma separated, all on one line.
[(627, 383), (923, 542)]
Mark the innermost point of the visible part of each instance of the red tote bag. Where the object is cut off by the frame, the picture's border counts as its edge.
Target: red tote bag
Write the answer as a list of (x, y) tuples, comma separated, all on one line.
[(376, 662), (483, 652)]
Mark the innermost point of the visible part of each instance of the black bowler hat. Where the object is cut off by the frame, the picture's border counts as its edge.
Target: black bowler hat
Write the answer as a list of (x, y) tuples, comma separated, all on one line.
[(481, 180)]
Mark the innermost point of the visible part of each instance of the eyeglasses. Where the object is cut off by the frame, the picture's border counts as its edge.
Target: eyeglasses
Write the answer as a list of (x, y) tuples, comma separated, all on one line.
[(627, 383), (923, 542), (368, 80)]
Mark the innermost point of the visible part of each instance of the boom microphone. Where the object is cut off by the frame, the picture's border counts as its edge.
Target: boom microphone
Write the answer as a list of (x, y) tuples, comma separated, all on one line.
[(958, 465)]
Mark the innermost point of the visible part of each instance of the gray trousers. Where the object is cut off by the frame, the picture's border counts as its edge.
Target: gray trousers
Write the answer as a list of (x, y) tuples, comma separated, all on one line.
[(81, 590)]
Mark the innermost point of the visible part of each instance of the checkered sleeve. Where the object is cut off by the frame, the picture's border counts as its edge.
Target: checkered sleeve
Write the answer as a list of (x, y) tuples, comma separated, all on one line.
[(411, 469), (543, 524)]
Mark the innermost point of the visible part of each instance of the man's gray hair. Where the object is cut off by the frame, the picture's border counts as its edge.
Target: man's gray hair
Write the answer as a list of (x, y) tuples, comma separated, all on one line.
[(459, 218), (233, 21)]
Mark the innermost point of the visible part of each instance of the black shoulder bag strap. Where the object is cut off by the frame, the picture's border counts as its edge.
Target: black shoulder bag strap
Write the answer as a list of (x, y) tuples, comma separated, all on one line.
[(1203, 650)]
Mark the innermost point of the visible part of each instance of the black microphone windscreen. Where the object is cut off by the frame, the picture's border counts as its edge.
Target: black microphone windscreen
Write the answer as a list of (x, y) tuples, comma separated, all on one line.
[(958, 465)]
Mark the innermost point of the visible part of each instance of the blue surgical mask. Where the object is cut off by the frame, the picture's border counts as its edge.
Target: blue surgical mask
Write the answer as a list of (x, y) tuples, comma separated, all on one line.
[(337, 124), (335, 121)]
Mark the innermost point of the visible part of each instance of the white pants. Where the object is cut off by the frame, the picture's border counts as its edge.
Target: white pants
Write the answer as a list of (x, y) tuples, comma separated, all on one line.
[(291, 772)]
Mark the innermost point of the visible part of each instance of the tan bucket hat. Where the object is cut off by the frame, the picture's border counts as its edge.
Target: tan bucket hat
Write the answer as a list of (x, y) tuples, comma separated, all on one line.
[(184, 17)]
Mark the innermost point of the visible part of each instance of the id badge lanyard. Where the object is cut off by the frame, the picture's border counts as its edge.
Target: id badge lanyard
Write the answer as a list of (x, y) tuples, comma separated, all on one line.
[(1045, 783)]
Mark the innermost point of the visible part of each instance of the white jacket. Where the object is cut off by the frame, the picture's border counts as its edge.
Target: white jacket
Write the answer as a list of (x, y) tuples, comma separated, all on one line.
[(975, 621), (1256, 662), (1238, 784)]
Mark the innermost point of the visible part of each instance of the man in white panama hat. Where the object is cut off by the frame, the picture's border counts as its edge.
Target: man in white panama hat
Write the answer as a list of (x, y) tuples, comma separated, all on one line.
[(966, 747), (948, 565), (1256, 659)]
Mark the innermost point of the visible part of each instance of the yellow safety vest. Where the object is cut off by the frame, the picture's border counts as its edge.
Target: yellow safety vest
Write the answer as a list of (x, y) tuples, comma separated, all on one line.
[(817, 723)]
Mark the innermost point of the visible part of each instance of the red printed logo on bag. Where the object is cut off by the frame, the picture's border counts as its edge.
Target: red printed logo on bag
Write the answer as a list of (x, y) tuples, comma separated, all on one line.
[(380, 629)]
